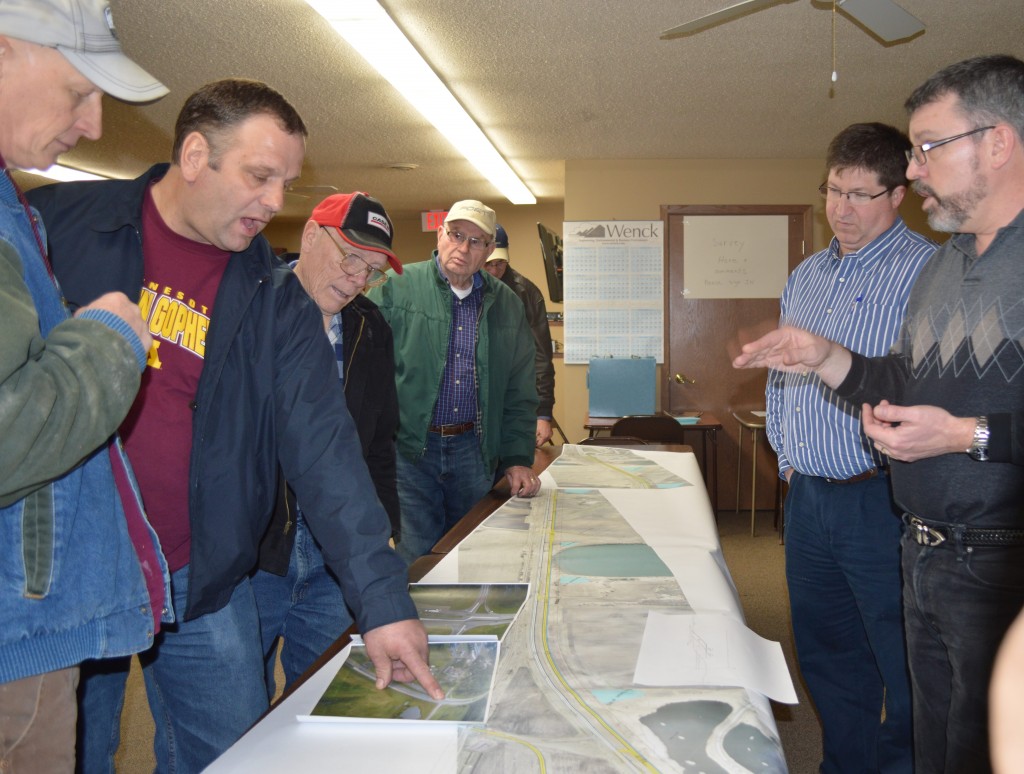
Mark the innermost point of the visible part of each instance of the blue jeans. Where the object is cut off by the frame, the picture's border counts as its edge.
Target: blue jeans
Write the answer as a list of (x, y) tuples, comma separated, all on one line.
[(843, 573), (204, 683), (959, 602), (305, 607), (437, 491)]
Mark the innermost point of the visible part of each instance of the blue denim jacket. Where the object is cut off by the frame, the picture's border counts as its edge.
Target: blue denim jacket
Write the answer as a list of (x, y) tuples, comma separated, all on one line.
[(72, 584)]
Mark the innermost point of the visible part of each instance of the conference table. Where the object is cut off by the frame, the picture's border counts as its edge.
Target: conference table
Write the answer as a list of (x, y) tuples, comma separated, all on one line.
[(564, 697), (707, 425)]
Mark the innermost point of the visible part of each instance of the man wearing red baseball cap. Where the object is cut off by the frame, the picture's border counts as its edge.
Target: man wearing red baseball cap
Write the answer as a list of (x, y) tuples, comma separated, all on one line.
[(346, 245)]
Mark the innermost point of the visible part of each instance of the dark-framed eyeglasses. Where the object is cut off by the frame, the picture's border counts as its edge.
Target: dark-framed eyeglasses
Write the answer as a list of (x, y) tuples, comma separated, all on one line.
[(476, 244), (917, 154), (856, 198), (355, 266)]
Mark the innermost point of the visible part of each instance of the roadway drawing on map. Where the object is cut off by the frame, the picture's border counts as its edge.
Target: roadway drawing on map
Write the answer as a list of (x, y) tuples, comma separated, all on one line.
[(609, 467), (563, 698), (468, 609)]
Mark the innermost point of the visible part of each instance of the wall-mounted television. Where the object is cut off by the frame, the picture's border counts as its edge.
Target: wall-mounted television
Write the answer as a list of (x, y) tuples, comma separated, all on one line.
[(551, 250)]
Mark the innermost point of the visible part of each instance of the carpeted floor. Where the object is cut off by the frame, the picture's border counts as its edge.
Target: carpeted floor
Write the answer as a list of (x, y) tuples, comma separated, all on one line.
[(758, 568)]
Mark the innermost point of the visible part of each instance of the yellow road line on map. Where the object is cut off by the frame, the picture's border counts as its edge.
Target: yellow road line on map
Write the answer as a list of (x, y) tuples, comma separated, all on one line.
[(644, 483), (627, 748), (508, 737)]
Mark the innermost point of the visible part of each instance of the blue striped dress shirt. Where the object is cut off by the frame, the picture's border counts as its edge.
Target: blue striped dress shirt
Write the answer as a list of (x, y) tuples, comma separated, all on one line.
[(456, 400), (858, 300)]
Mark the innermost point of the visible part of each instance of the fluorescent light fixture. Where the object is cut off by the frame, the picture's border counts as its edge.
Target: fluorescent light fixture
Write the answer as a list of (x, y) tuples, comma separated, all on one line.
[(64, 174), (370, 31)]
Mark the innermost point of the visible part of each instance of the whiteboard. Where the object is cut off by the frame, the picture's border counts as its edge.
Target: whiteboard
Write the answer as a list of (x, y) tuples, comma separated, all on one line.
[(735, 256)]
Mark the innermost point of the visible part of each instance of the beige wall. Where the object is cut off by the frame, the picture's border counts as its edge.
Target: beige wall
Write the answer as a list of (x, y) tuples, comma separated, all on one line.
[(626, 189), (635, 189), (520, 222)]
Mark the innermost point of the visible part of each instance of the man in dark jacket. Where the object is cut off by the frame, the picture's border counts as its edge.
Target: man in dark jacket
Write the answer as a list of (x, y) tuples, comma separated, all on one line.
[(345, 245), (497, 266), (240, 381)]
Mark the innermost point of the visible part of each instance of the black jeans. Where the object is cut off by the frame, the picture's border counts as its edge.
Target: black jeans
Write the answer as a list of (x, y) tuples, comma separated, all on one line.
[(958, 602)]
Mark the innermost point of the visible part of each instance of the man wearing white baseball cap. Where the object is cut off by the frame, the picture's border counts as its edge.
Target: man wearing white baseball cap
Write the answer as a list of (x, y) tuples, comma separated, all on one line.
[(83, 574), (464, 373), (83, 32)]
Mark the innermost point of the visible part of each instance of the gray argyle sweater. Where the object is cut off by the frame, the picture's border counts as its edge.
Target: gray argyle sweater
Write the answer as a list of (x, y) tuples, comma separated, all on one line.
[(961, 348)]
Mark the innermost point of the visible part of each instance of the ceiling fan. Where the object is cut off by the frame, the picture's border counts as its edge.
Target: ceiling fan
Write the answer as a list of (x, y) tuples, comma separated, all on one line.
[(882, 17), (319, 192)]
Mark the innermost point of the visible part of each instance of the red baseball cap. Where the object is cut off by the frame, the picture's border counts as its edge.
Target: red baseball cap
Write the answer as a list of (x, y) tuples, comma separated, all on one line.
[(361, 221)]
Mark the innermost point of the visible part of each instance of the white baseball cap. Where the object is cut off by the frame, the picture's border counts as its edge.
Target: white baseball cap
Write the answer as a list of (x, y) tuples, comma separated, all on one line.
[(83, 31), (475, 212)]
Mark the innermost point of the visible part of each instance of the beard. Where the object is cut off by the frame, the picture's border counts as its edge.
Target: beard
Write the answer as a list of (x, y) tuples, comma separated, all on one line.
[(950, 213)]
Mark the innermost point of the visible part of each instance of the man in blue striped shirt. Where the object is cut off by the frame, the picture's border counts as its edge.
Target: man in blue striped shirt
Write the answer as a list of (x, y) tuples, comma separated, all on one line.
[(842, 529)]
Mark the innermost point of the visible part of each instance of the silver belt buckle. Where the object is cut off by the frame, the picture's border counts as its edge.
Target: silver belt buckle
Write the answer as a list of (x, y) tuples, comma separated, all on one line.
[(925, 535)]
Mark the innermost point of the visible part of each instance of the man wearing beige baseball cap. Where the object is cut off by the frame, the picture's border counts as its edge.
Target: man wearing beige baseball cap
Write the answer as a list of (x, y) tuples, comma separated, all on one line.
[(84, 576), (464, 372)]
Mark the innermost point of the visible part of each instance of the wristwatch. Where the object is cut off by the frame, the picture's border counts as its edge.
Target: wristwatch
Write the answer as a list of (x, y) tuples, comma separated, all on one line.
[(979, 446)]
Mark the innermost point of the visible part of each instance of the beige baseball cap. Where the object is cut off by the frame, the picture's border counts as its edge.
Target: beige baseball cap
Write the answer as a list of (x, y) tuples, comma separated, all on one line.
[(500, 245), (83, 31), (475, 212)]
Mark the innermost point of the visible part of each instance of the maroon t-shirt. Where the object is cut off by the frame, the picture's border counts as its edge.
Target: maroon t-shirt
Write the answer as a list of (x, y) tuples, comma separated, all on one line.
[(180, 281)]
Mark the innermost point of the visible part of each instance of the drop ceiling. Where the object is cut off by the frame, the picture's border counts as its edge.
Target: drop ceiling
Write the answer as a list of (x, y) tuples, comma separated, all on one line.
[(547, 81)]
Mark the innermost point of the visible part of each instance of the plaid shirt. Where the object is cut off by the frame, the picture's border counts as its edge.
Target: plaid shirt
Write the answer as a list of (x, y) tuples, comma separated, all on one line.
[(456, 400), (334, 334)]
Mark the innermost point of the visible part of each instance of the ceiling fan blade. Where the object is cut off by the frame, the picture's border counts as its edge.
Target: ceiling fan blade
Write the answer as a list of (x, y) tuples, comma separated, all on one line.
[(718, 17), (302, 189), (883, 17)]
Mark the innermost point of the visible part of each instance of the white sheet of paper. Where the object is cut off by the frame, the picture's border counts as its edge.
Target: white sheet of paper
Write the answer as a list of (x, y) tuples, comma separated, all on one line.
[(700, 577), (667, 517), (711, 649), (445, 571), (280, 743)]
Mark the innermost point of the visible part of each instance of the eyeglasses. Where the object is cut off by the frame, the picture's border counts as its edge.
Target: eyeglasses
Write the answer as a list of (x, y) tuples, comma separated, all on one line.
[(917, 153), (476, 244), (354, 266), (856, 198)]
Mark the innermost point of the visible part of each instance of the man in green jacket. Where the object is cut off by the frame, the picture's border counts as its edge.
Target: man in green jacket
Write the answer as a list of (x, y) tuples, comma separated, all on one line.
[(465, 378)]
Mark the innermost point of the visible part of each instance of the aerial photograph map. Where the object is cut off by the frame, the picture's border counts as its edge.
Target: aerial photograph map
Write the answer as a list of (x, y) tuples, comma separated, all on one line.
[(564, 699), (464, 669), (468, 608)]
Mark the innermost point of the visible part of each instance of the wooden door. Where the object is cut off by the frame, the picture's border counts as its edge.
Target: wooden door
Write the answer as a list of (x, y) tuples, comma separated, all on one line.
[(704, 335)]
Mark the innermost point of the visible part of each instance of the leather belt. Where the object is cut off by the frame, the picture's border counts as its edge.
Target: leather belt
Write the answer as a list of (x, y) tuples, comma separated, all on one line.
[(446, 430), (867, 474), (926, 534)]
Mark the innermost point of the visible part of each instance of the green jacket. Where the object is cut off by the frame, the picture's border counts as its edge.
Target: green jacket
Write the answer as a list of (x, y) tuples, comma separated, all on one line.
[(418, 306), (62, 395)]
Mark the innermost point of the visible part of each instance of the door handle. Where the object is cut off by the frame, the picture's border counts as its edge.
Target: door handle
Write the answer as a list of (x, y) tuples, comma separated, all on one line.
[(682, 379)]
